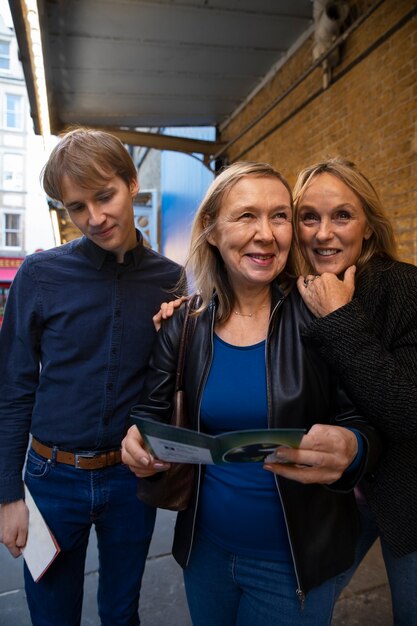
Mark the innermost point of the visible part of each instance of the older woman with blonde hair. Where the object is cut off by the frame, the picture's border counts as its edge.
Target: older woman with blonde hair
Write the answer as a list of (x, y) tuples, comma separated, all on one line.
[(260, 543), (365, 302)]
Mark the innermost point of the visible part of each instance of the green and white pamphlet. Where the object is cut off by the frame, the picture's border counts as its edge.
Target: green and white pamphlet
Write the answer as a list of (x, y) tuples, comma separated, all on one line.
[(180, 445)]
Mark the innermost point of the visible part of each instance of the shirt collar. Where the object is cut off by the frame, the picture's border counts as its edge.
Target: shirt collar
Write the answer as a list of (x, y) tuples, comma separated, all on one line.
[(98, 256)]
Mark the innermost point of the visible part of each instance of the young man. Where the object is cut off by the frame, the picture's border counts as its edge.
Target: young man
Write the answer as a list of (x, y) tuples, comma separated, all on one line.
[(74, 347)]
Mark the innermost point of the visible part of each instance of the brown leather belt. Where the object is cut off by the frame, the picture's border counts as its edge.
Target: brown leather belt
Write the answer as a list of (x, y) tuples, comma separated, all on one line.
[(81, 460)]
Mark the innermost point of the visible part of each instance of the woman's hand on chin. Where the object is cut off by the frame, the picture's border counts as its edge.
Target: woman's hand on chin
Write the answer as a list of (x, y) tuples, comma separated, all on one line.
[(326, 293)]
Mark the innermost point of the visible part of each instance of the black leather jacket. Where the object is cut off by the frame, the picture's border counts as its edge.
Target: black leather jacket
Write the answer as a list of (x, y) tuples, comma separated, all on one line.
[(321, 521)]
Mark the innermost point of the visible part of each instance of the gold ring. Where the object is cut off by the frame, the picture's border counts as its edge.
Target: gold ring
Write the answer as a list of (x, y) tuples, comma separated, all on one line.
[(307, 281)]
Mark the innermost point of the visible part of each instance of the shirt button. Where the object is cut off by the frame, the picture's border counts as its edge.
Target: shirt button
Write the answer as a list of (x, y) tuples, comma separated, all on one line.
[(109, 386), (117, 312)]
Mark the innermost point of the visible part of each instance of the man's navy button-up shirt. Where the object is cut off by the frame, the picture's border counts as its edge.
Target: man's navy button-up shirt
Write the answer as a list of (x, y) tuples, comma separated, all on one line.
[(74, 348)]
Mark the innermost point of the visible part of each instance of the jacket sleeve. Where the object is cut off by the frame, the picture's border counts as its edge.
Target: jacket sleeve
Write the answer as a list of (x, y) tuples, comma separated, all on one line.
[(346, 415), (380, 374), (156, 399), (20, 341)]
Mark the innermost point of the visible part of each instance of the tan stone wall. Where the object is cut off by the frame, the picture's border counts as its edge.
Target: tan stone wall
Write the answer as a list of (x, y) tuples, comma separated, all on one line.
[(368, 114)]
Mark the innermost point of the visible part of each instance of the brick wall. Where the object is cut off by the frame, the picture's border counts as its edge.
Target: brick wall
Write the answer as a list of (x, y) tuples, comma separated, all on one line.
[(368, 113)]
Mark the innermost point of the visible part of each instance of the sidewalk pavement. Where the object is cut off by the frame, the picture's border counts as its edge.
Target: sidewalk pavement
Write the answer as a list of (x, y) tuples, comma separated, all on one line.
[(365, 602)]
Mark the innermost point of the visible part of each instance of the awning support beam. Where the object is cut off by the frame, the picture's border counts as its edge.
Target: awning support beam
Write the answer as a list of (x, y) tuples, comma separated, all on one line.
[(159, 141)]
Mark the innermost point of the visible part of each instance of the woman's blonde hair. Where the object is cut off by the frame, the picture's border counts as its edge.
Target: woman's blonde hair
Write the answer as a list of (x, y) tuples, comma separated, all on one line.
[(382, 240), (88, 157), (204, 259)]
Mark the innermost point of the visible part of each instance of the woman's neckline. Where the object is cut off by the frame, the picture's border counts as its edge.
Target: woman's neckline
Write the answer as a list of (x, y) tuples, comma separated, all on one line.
[(238, 347)]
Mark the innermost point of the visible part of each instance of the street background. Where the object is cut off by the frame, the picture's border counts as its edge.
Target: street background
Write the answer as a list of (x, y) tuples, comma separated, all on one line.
[(365, 602)]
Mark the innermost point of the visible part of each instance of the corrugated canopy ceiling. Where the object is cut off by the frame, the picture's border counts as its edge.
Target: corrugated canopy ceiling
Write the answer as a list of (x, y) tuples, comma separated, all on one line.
[(157, 63)]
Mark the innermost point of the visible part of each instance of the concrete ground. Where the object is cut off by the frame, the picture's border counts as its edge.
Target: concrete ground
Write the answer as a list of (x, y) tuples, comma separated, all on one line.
[(365, 602)]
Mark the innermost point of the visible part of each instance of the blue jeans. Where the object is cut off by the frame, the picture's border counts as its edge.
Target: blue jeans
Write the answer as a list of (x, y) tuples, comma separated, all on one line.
[(401, 572), (224, 589), (71, 500)]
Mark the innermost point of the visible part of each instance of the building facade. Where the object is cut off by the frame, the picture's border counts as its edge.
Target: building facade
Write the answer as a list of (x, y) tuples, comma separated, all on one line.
[(13, 103), (23, 227), (363, 109)]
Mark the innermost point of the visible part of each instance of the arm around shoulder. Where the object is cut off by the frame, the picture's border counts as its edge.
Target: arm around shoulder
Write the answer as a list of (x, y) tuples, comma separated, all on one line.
[(158, 391)]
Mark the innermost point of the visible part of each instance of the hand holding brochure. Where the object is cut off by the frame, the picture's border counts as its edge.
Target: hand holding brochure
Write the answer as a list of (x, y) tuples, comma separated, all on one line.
[(41, 546), (180, 445)]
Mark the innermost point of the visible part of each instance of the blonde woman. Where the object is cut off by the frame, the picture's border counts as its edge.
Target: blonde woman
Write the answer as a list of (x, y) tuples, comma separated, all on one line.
[(260, 543), (365, 302)]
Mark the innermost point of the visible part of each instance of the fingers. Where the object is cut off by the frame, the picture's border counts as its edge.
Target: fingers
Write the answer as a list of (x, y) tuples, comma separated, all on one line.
[(21, 540), (14, 522), (168, 308), (14, 550), (309, 279), (133, 452), (303, 285), (326, 293), (166, 311), (338, 445), (137, 458), (323, 455), (300, 284), (349, 277), (304, 474)]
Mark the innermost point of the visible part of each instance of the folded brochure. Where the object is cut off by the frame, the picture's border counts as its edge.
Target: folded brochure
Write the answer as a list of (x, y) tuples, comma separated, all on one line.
[(180, 445), (41, 546)]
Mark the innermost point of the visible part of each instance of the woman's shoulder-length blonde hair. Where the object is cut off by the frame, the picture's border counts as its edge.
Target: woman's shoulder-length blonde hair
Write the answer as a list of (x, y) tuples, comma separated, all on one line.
[(204, 260), (382, 241)]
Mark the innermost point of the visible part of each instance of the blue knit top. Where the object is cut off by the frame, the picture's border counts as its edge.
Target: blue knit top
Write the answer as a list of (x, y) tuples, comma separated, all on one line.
[(240, 508)]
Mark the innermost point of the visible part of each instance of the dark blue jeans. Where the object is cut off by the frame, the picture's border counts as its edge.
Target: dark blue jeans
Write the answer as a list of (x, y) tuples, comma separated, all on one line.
[(71, 500), (401, 572), (224, 589)]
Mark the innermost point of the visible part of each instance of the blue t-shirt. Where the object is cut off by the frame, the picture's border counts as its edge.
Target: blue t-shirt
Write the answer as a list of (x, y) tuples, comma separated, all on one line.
[(239, 507)]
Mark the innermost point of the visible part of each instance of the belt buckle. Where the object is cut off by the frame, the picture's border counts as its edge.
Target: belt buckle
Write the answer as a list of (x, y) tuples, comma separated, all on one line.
[(85, 455)]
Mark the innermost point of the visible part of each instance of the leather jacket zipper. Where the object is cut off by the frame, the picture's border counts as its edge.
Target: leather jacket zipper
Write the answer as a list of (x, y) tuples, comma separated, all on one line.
[(203, 384), (299, 591)]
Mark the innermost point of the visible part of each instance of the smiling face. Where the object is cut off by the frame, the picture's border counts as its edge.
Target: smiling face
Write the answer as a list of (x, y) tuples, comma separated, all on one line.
[(331, 225), (105, 214), (253, 231)]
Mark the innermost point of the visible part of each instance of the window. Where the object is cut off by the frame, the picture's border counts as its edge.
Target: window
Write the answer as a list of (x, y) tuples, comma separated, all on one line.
[(13, 172), (4, 55), (11, 236), (14, 111)]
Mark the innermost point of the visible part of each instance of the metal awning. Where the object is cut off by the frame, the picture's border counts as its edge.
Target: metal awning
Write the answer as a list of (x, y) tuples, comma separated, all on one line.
[(135, 64)]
